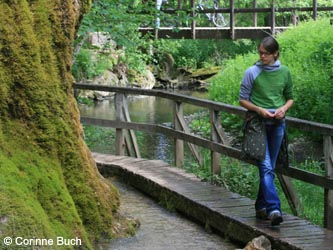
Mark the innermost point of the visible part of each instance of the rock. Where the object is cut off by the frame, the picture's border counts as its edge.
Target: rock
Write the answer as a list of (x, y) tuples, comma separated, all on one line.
[(167, 71), (145, 80), (108, 78), (259, 243), (101, 40), (205, 73), (149, 80)]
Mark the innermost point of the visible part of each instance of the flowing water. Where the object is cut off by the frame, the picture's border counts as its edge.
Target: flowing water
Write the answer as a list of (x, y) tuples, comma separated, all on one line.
[(159, 228)]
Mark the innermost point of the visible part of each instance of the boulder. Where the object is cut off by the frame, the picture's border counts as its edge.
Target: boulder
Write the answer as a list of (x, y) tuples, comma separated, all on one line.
[(259, 243)]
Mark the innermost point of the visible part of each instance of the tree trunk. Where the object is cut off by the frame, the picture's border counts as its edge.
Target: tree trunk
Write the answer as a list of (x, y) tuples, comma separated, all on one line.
[(49, 183)]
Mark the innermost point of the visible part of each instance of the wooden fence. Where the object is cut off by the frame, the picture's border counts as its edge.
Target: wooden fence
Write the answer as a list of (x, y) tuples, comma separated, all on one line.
[(218, 142), (231, 30)]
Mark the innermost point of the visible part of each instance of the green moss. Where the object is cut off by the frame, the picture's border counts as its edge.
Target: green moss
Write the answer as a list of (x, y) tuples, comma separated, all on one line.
[(206, 71), (49, 183), (34, 198)]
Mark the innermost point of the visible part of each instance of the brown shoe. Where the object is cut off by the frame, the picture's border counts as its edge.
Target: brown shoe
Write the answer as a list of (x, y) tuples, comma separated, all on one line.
[(261, 214)]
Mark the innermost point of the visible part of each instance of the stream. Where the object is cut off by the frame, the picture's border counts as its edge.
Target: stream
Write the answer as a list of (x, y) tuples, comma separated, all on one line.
[(159, 228)]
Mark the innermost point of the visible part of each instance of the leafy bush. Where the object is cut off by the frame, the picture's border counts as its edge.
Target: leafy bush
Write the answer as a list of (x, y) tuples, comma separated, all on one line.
[(194, 54), (99, 139), (86, 67), (309, 56)]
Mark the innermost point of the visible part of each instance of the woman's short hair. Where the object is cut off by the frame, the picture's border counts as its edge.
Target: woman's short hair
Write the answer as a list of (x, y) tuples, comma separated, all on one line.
[(270, 44)]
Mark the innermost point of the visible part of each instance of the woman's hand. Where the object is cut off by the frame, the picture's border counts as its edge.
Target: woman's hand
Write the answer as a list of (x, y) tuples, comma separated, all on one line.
[(280, 113), (265, 113)]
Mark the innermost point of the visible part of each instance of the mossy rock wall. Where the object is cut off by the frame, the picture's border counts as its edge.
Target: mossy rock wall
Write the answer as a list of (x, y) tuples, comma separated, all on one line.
[(49, 184)]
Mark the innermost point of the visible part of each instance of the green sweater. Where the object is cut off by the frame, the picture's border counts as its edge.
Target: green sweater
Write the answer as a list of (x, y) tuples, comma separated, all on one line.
[(267, 86)]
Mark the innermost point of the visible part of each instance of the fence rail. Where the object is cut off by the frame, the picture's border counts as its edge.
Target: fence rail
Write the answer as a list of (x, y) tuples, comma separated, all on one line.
[(218, 143)]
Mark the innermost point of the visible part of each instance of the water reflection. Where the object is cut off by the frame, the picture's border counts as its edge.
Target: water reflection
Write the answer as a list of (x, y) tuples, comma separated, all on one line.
[(153, 110)]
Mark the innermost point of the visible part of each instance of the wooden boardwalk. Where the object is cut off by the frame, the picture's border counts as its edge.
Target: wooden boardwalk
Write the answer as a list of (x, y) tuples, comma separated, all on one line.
[(231, 214)]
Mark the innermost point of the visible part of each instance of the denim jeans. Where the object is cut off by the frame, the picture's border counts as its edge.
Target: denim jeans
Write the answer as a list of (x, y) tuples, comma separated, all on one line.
[(267, 195)]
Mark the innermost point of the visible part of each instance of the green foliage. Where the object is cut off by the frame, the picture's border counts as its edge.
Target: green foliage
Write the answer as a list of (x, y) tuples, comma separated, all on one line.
[(310, 59), (85, 67), (203, 172), (200, 126), (84, 100), (99, 139), (239, 177), (308, 55), (121, 21), (194, 54)]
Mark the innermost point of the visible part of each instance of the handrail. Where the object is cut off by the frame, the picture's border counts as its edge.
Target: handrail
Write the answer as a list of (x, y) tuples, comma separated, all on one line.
[(217, 145), (304, 125)]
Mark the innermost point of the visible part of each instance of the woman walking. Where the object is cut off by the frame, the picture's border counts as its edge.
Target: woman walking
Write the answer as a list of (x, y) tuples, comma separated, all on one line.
[(266, 90)]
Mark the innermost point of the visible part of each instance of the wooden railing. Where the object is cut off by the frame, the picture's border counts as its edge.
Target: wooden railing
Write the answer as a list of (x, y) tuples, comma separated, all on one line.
[(231, 30), (218, 143)]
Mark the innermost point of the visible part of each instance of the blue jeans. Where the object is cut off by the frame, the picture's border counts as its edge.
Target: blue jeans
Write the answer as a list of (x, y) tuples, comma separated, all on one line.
[(267, 195)]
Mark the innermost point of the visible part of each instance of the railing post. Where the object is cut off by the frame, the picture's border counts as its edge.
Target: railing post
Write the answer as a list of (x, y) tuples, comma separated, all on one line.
[(290, 193), (314, 6), (214, 136), (179, 144), (255, 14), (328, 203), (232, 19), (273, 18), (293, 14), (131, 143), (193, 23), (120, 138)]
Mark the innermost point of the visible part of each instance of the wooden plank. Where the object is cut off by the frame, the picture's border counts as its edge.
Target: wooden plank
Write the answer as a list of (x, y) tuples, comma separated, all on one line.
[(290, 193), (179, 116), (306, 176), (119, 160), (229, 204), (131, 141)]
